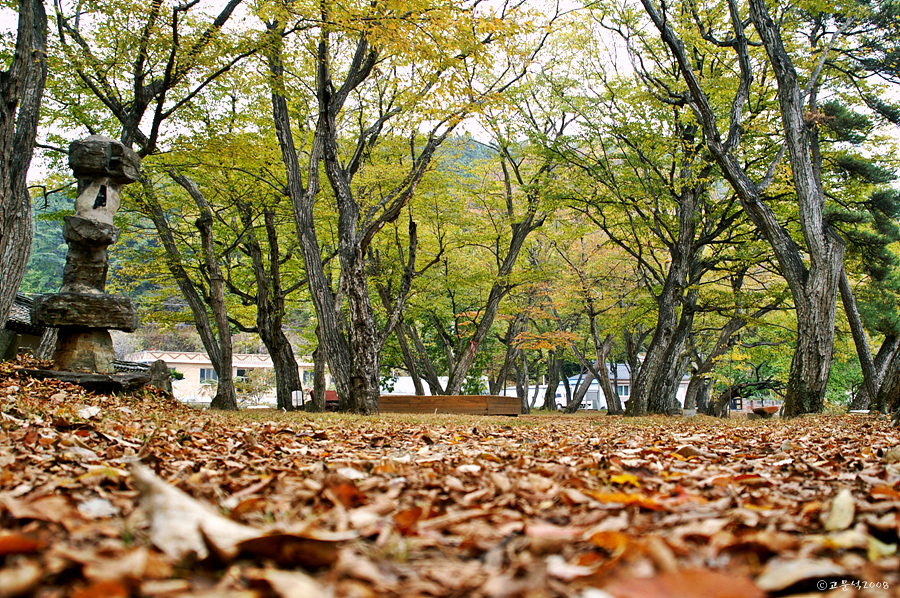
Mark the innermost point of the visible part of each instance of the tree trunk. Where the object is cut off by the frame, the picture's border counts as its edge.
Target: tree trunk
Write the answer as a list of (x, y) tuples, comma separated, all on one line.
[(212, 341), (886, 352), (21, 91), (513, 329), (575, 403), (47, 345), (522, 381), (864, 354), (409, 359), (700, 395), (468, 347), (319, 383), (269, 298), (610, 390), (226, 397), (553, 374)]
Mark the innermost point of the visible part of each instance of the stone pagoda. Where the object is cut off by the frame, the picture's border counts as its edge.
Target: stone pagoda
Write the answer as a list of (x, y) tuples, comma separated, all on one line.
[(81, 310)]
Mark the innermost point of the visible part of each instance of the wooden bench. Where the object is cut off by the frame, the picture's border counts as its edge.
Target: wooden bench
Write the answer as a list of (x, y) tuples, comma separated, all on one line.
[(457, 404)]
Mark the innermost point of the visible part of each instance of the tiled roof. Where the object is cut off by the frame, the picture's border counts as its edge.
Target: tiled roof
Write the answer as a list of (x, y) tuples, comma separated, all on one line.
[(20, 316)]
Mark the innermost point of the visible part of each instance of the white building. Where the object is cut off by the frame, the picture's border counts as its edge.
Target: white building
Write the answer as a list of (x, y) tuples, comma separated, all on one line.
[(198, 377)]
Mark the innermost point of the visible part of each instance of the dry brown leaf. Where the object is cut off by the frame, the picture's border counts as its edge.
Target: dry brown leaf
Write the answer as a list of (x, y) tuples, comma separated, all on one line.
[(179, 524), (842, 513), (289, 584), (692, 583), (289, 550), (15, 543), (781, 574), (19, 579)]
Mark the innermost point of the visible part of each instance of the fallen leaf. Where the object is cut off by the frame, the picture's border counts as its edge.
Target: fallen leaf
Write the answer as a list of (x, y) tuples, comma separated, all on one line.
[(15, 543), (19, 579), (842, 513), (88, 412), (290, 550), (289, 584), (781, 574), (691, 583), (179, 525), (97, 508)]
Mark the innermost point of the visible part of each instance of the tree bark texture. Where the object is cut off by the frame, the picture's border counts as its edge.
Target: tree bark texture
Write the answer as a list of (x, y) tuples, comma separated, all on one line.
[(554, 370), (21, 91), (319, 381), (226, 397), (871, 379), (656, 383), (886, 352)]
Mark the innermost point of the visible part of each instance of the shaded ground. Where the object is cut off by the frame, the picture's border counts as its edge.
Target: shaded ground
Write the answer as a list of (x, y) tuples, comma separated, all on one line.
[(436, 506)]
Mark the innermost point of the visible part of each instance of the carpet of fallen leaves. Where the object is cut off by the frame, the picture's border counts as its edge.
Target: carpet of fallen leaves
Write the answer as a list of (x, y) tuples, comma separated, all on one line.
[(140, 496)]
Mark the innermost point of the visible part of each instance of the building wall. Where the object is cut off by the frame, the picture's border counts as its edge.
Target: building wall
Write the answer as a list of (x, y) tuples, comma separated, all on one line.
[(194, 367)]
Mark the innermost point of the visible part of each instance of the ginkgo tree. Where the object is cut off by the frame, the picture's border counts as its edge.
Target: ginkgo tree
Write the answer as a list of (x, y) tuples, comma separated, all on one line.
[(412, 70), (797, 43)]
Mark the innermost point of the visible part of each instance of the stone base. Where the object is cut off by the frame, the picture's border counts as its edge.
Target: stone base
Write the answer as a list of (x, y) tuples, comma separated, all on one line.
[(94, 382), (85, 310), (84, 350)]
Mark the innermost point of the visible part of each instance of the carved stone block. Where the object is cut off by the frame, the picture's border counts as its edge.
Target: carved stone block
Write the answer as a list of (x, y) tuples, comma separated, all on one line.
[(85, 350), (99, 156), (84, 310)]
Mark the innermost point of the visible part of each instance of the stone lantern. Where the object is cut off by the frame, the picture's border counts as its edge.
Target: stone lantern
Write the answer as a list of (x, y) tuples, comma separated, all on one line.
[(81, 310)]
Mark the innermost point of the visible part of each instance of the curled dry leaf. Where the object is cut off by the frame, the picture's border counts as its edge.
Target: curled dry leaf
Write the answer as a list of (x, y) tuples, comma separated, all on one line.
[(781, 574), (19, 579), (289, 550), (181, 525), (288, 584), (843, 510)]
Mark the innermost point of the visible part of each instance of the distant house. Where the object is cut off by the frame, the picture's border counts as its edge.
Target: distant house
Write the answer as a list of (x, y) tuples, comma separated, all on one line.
[(195, 378)]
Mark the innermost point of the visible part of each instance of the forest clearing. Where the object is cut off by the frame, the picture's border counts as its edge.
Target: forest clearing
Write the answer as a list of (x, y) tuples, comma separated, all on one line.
[(293, 504)]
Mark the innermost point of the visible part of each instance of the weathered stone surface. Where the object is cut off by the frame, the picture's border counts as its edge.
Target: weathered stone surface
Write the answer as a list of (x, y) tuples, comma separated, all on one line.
[(84, 310), (94, 382), (84, 350), (87, 262), (160, 377), (99, 156), (89, 232)]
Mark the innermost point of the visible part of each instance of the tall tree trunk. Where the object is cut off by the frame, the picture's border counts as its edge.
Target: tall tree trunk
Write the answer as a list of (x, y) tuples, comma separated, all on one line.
[(469, 347), (151, 207), (408, 358), (554, 368), (578, 398), (610, 390), (21, 91), (319, 385), (568, 387), (886, 352), (522, 380), (222, 360), (269, 299), (871, 379)]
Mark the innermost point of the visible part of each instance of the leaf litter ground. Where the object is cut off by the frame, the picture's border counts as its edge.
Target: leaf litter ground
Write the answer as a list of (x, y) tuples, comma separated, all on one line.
[(138, 495)]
